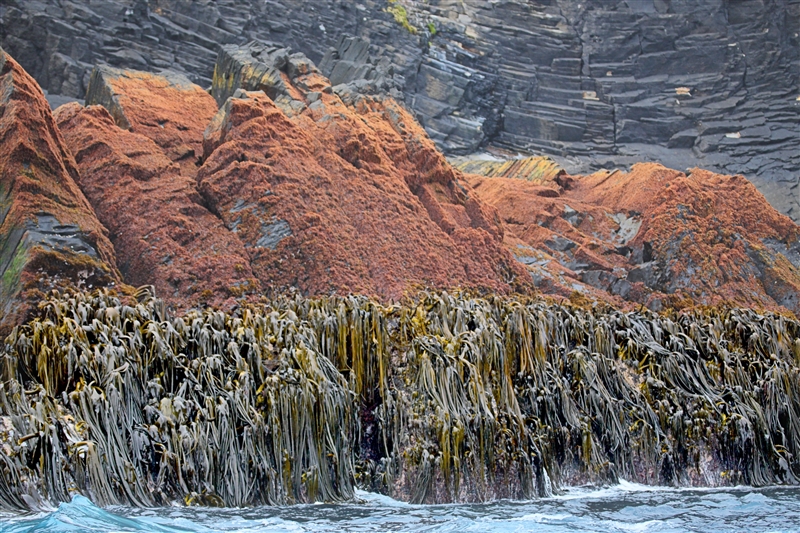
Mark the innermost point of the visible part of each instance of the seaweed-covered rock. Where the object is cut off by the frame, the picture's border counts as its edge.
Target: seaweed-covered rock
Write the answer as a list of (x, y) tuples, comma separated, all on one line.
[(163, 234), (336, 197), (49, 235), (442, 398)]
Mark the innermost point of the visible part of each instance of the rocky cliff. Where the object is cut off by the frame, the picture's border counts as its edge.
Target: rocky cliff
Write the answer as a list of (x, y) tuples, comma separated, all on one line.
[(275, 195), (50, 237), (287, 182), (215, 207), (596, 84)]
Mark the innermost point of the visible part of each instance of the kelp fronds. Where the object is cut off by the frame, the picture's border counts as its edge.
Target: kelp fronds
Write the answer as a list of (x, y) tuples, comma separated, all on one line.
[(444, 398)]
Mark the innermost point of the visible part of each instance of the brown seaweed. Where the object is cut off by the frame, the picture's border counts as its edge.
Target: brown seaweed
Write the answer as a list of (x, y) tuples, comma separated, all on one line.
[(444, 397)]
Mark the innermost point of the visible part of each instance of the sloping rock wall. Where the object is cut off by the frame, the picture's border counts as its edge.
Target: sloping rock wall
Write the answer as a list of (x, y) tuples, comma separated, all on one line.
[(330, 197), (653, 236), (49, 235)]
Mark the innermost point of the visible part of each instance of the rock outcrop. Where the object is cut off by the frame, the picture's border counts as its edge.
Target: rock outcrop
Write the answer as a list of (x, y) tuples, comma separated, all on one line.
[(138, 157), (166, 107), (297, 184), (700, 84), (654, 236), (49, 235), (163, 234), (330, 197)]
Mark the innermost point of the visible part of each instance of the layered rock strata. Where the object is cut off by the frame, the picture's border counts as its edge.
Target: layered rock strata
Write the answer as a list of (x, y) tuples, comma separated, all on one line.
[(49, 235), (708, 84)]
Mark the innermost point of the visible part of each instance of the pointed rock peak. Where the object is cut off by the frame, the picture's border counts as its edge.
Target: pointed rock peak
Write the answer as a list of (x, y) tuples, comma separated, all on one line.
[(50, 237)]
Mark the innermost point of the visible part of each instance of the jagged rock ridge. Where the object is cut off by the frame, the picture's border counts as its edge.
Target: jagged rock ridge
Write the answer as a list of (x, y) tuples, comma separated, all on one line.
[(49, 235), (711, 85)]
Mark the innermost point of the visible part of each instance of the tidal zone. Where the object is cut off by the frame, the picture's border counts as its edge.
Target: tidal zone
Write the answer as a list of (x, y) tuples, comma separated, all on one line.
[(442, 397)]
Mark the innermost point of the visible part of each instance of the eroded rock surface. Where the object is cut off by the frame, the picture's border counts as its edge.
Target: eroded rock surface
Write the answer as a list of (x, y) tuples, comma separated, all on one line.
[(654, 236), (598, 85), (163, 234), (334, 197), (49, 235)]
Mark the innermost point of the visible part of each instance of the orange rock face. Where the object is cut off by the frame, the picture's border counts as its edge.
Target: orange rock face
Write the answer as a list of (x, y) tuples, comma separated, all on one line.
[(163, 234), (167, 108), (327, 191), (654, 236), (347, 198), (49, 235)]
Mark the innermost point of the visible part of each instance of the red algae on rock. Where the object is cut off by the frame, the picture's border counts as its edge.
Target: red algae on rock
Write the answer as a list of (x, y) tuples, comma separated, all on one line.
[(163, 234), (49, 235), (345, 198), (653, 235), (165, 107)]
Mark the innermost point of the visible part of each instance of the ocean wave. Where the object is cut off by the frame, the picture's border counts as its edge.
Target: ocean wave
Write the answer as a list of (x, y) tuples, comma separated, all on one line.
[(623, 508)]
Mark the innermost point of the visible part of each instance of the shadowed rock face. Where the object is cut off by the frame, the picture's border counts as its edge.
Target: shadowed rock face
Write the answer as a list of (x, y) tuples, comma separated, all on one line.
[(49, 235), (597, 84), (654, 236)]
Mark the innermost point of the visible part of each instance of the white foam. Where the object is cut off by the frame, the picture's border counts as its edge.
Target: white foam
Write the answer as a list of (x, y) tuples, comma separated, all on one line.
[(540, 518), (379, 499)]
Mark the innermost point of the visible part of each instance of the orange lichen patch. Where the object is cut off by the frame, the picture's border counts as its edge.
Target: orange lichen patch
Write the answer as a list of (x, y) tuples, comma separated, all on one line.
[(622, 191), (539, 169), (341, 199), (657, 236), (166, 108), (49, 235), (163, 234)]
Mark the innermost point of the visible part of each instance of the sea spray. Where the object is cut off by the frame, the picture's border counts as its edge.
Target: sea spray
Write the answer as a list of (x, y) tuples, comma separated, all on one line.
[(444, 397)]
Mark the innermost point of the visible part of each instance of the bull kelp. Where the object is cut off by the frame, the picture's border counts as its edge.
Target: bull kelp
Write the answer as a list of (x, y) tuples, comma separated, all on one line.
[(444, 397)]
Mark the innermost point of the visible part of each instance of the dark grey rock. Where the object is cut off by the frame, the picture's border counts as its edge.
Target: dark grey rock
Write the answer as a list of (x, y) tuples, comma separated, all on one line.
[(594, 84), (558, 243)]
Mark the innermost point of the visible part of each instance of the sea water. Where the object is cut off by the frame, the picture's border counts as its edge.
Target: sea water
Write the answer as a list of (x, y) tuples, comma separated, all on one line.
[(622, 508)]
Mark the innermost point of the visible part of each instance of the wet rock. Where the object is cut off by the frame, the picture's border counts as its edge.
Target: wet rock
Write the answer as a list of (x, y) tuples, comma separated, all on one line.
[(49, 235)]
